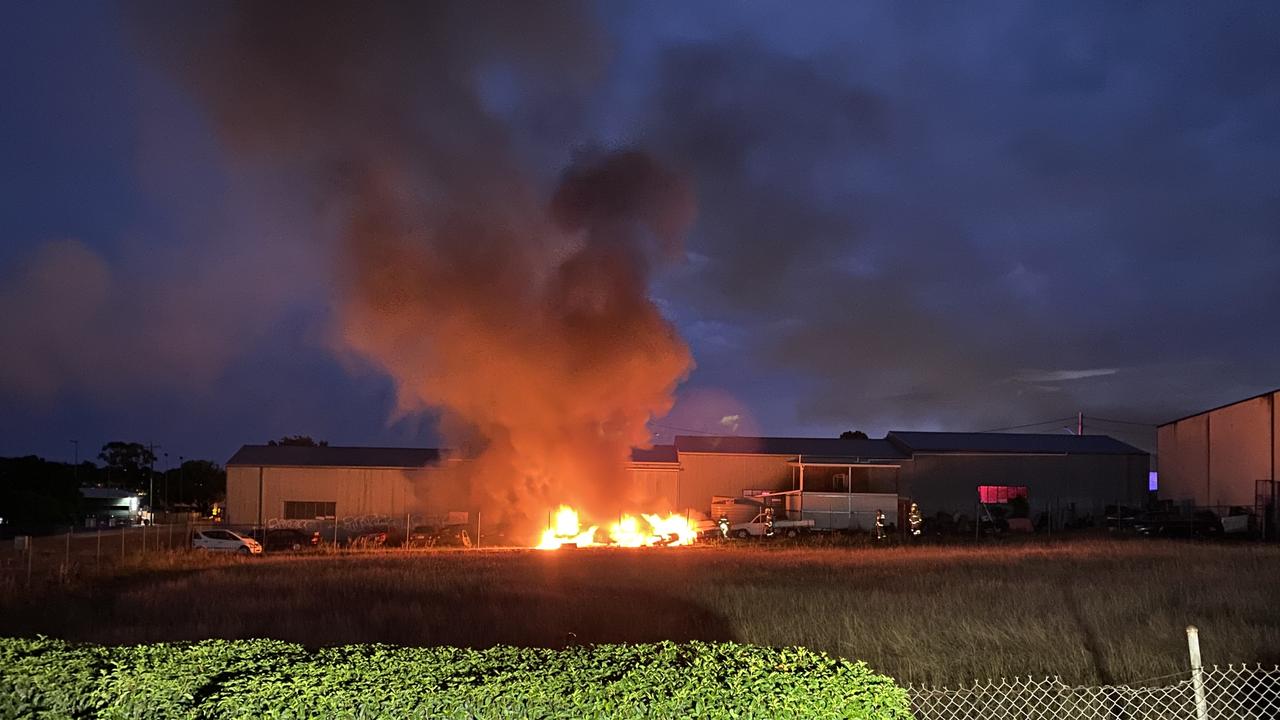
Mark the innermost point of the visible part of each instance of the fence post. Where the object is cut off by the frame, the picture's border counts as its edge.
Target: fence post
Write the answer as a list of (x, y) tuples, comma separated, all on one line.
[(1197, 672)]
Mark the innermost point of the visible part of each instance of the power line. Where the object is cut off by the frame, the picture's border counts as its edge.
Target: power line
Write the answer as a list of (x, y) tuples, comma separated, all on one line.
[(1120, 422), (1029, 425), (682, 429)]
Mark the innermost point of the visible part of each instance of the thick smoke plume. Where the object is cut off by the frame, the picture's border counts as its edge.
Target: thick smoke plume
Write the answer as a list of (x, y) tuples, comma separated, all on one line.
[(520, 312)]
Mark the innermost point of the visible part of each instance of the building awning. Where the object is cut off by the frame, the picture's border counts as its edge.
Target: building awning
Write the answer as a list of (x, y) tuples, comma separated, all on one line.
[(844, 462)]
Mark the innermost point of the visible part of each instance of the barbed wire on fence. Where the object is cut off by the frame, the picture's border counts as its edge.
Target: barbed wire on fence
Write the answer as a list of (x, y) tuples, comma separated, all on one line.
[(1233, 692)]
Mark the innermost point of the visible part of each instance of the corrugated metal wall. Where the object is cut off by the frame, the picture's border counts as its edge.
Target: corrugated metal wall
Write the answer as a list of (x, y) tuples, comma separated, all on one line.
[(356, 491), (949, 482), (1216, 458), (704, 475)]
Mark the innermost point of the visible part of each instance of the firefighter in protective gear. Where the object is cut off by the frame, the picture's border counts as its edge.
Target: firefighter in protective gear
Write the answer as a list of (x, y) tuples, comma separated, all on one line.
[(915, 520), (768, 522), (724, 526), (879, 525)]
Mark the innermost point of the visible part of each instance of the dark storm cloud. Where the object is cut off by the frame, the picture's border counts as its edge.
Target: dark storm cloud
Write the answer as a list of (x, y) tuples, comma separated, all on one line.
[(910, 215), (964, 218)]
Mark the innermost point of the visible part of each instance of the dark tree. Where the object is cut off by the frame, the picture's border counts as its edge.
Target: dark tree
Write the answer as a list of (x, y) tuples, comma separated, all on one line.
[(298, 440), (37, 495), (853, 435), (127, 463), (199, 483)]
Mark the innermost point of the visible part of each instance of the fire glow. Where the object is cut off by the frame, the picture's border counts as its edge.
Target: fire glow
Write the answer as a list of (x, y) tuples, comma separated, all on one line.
[(647, 530)]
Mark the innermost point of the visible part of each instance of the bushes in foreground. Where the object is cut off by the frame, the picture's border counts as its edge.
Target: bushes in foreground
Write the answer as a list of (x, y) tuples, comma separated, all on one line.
[(45, 678)]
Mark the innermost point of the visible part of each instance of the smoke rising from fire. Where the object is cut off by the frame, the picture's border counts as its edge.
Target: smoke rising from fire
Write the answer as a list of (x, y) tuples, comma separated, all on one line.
[(520, 312)]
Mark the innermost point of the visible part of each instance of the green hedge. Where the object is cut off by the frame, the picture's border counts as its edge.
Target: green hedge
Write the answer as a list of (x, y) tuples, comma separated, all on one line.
[(44, 678)]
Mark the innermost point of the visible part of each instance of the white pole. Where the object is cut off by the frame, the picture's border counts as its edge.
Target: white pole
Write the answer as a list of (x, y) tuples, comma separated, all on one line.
[(1197, 672)]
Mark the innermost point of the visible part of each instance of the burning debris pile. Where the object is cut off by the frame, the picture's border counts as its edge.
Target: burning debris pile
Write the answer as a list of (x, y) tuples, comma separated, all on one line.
[(646, 531)]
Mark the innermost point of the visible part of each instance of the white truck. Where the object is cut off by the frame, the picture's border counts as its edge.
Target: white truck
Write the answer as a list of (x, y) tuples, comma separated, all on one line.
[(831, 511), (760, 526)]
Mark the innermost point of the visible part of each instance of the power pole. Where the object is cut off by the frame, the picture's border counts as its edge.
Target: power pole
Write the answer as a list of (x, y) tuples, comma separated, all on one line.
[(166, 484), (1080, 423), (76, 468), (151, 477)]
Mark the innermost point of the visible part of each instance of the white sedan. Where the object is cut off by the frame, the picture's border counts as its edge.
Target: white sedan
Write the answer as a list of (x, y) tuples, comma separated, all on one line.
[(226, 541)]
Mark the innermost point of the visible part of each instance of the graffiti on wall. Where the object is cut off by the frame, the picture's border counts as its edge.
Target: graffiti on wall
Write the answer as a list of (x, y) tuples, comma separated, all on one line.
[(360, 523)]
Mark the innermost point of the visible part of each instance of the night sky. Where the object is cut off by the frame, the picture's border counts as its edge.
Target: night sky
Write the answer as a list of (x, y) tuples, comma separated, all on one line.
[(909, 216)]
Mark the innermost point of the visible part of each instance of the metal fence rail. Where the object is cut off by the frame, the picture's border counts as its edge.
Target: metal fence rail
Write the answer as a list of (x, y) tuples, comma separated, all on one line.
[(1230, 693)]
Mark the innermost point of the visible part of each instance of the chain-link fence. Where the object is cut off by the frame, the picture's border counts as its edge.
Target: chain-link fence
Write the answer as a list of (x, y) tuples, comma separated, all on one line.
[(1218, 693)]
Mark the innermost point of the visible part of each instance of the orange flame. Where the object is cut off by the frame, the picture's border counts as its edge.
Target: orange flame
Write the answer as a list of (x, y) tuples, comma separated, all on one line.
[(629, 531)]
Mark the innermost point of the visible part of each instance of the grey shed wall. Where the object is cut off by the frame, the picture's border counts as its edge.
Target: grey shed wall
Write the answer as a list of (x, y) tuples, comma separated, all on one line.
[(949, 481)]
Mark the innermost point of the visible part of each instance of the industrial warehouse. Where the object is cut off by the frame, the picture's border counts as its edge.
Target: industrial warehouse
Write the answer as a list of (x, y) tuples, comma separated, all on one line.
[(1071, 476), (1224, 459)]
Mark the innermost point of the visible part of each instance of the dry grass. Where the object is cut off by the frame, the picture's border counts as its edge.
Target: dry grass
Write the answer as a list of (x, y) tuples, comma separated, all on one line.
[(1089, 611)]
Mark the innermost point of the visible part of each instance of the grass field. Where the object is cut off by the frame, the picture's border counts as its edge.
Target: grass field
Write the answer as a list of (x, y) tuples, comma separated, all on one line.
[(1086, 610)]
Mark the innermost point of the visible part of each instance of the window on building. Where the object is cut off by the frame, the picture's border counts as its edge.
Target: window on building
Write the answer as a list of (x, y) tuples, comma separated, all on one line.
[(1000, 494), (308, 510)]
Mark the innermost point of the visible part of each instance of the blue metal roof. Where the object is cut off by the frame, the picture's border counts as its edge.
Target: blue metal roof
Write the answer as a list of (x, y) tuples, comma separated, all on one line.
[(825, 447), (333, 456), (1010, 443), (655, 454), (338, 456)]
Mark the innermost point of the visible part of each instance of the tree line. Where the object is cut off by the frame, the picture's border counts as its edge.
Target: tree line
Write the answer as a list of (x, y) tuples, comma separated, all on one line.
[(36, 491)]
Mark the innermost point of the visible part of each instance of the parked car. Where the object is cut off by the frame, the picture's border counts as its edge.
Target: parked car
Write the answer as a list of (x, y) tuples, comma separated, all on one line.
[(1204, 523), (368, 539), (447, 536), (290, 539), (224, 541), (1120, 517)]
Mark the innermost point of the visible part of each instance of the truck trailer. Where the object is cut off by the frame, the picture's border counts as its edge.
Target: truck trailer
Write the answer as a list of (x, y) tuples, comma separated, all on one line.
[(832, 511)]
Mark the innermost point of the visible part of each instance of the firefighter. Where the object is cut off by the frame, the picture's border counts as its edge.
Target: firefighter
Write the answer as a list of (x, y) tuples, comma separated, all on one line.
[(879, 525), (915, 520), (768, 522), (724, 526)]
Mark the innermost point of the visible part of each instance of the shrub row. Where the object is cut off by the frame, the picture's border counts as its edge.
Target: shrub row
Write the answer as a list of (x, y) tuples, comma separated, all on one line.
[(45, 678)]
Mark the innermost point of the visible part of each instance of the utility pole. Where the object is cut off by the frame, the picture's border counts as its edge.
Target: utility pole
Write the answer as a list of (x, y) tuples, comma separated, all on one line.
[(166, 484), (182, 476), (76, 468), (151, 477), (1080, 423)]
